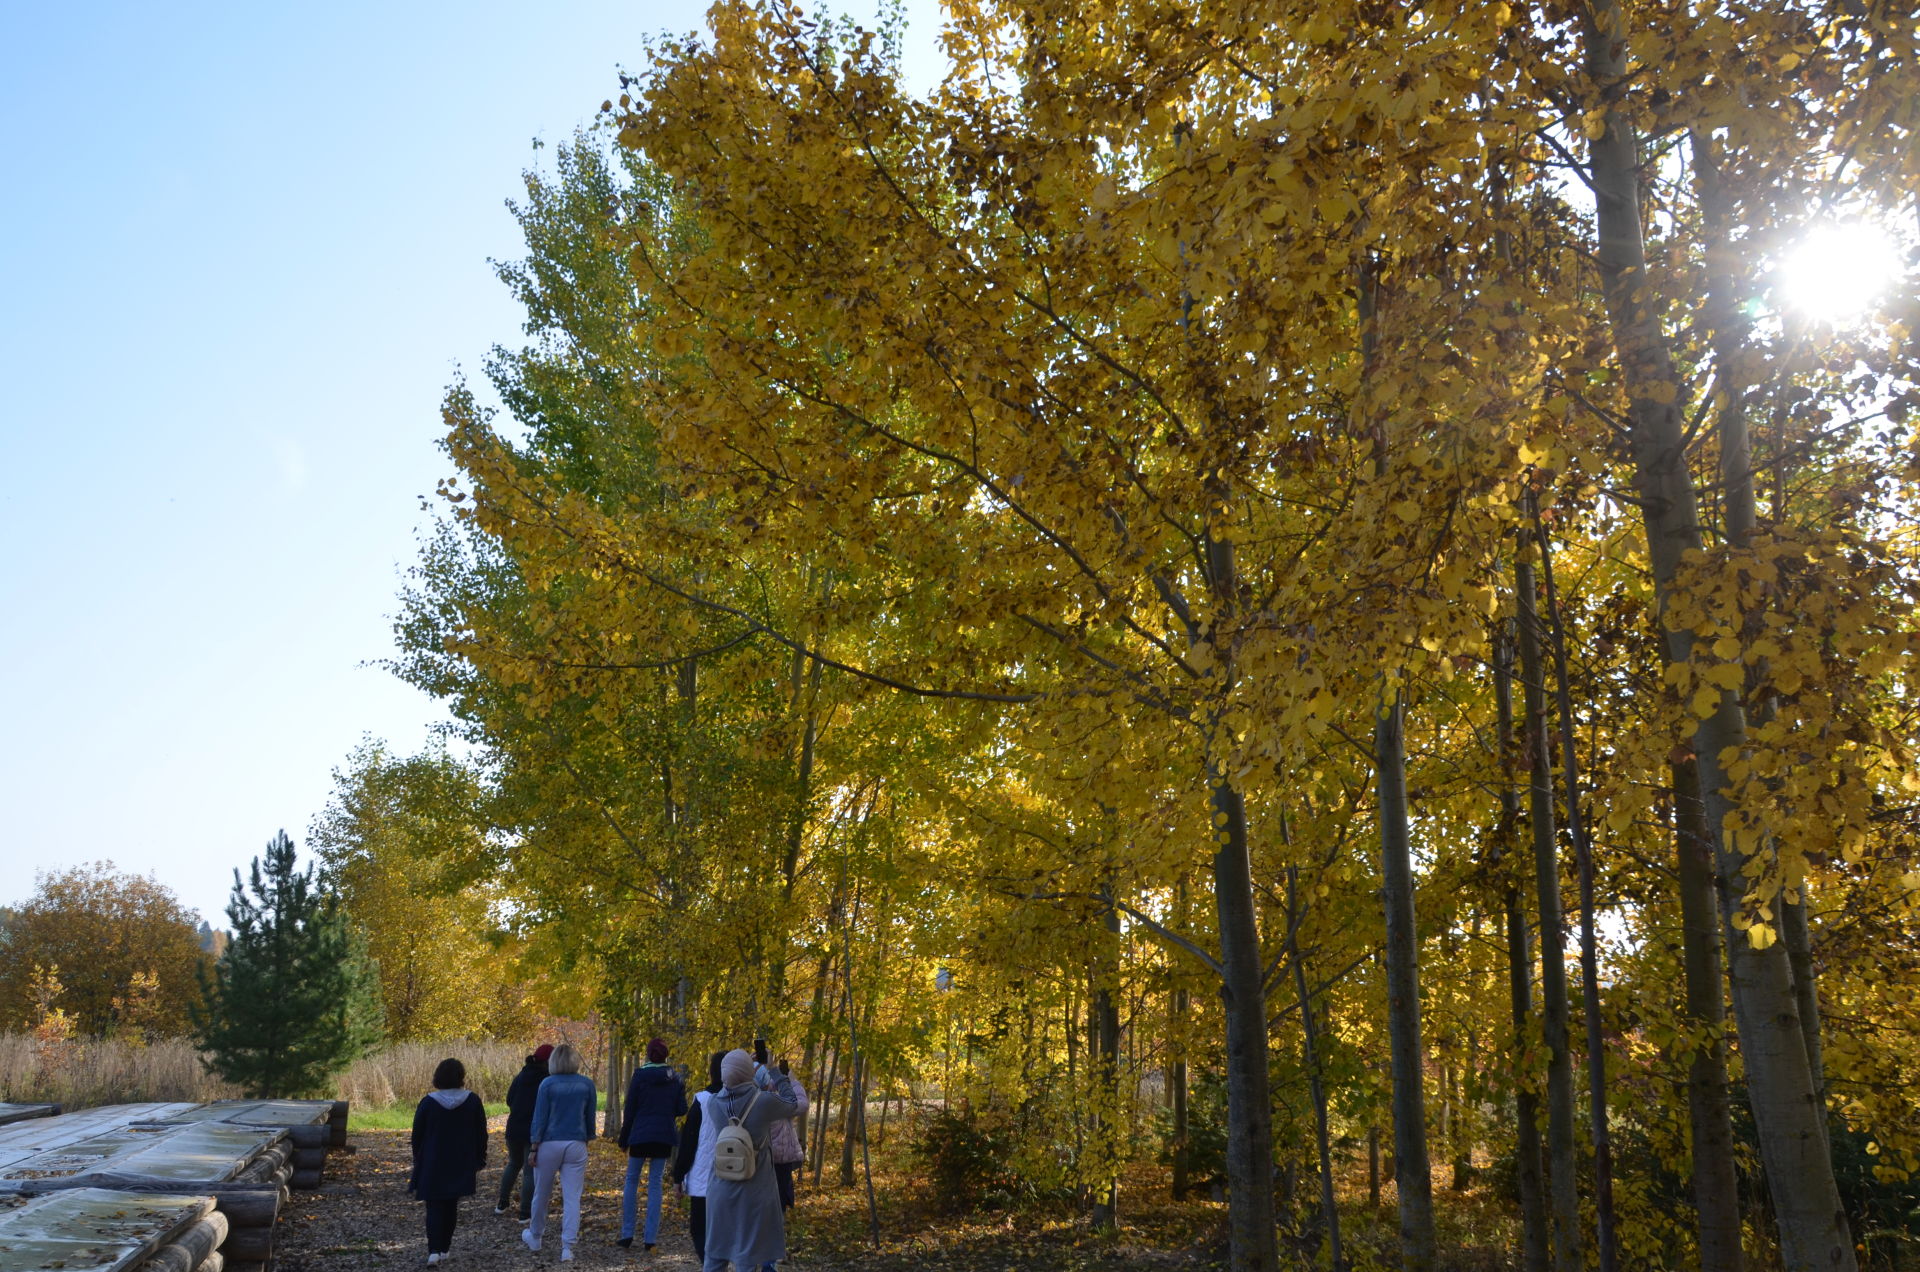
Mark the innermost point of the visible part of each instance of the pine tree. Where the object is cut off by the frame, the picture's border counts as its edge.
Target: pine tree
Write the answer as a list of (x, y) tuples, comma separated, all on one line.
[(294, 999)]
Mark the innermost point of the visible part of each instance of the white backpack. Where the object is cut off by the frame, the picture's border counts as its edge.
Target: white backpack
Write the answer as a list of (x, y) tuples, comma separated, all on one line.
[(734, 1154)]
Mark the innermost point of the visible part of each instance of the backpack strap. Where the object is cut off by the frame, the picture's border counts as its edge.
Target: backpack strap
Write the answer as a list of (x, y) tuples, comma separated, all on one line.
[(746, 1112)]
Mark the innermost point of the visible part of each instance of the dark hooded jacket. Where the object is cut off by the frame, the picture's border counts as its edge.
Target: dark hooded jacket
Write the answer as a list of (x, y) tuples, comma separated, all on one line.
[(449, 1146), (656, 1101), (520, 1097)]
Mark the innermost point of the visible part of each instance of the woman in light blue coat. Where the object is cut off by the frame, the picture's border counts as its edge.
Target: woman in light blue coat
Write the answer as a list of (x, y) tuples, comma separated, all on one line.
[(557, 1146)]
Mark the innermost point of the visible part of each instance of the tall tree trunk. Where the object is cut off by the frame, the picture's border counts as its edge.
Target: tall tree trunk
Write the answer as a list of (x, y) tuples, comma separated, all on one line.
[(852, 1117), (1730, 329), (1411, 1167), (1787, 1113), (1316, 1084), (815, 1031), (616, 1086), (1555, 1014), (823, 1107), (1249, 1108), (1597, 1129), (1104, 1076), (1464, 1122), (1798, 940), (1177, 1093), (1716, 1194), (1533, 1202), (1250, 1215), (1373, 1168)]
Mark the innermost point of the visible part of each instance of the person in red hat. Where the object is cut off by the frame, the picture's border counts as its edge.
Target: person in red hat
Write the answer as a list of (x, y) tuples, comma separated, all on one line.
[(520, 1097), (656, 1101)]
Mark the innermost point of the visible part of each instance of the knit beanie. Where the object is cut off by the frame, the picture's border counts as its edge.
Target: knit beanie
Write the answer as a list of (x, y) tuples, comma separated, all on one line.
[(542, 1051)]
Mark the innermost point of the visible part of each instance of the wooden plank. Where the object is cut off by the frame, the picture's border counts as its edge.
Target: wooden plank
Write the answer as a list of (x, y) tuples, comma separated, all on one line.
[(41, 1134), (25, 1112), (197, 1153), (258, 1112), (93, 1230)]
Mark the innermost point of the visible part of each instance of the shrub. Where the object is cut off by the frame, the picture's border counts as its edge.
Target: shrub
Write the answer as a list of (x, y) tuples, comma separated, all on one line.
[(965, 1157)]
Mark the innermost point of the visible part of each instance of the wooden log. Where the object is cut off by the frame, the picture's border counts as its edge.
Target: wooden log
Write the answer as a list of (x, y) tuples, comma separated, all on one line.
[(191, 1248), (246, 1265), (168, 1258), (305, 1179), (318, 1135), (309, 1159), (337, 1123), (248, 1243), (268, 1163), (254, 1208), (203, 1238), (214, 1262)]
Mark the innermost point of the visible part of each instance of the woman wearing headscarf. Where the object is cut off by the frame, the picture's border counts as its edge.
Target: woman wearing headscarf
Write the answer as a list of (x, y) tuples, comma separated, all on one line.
[(656, 1101), (449, 1148), (557, 1146), (693, 1164), (746, 1226)]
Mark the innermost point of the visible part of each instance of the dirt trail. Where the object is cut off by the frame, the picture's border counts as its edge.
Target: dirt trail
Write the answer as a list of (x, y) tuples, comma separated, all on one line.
[(362, 1218)]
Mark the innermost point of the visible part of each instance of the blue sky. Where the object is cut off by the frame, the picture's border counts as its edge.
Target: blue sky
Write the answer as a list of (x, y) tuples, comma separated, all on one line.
[(243, 250)]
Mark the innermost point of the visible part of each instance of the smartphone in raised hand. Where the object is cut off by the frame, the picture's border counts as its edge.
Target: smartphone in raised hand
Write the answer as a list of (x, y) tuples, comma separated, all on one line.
[(760, 1050)]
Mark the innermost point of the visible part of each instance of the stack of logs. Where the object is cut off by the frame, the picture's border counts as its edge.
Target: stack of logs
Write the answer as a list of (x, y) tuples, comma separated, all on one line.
[(234, 1232), (247, 1216), (295, 1161), (312, 1143), (200, 1248)]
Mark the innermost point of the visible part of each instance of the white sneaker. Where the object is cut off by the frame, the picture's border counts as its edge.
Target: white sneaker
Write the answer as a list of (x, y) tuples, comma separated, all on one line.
[(432, 1259), (532, 1242), (566, 1254), (499, 1210)]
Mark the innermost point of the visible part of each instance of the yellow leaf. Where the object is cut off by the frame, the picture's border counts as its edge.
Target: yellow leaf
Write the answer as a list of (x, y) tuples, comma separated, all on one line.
[(1725, 675)]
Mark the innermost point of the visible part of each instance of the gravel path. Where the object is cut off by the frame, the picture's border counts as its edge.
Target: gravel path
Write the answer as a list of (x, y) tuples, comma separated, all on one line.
[(362, 1218)]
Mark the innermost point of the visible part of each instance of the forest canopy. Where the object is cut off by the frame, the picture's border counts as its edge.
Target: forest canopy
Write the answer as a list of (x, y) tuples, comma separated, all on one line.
[(1300, 553)]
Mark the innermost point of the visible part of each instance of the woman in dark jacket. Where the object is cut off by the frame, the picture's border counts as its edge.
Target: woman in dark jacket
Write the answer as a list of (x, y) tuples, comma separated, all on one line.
[(521, 1094), (656, 1101), (449, 1149)]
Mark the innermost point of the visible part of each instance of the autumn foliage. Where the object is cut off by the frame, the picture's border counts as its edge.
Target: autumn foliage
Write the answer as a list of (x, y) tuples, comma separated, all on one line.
[(1304, 544)]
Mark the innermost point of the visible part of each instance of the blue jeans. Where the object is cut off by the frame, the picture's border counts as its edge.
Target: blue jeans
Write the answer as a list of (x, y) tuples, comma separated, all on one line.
[(630, 1198)]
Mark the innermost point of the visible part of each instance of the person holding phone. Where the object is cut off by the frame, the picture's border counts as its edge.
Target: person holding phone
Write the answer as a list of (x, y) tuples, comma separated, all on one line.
[(746, 1226), (789, 1154)]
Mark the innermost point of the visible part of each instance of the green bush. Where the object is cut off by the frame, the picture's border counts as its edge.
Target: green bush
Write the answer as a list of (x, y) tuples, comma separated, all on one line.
[(965, 1157)]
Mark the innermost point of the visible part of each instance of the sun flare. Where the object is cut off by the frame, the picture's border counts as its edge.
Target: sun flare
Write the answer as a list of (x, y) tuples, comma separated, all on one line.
[(1836, 272)]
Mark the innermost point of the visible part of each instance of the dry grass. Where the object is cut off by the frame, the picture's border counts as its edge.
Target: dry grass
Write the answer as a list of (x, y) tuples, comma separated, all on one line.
[(403, 1072), (85, 1073), (82, 1073)]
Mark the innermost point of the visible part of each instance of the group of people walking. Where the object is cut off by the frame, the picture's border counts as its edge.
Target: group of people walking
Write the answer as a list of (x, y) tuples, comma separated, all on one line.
[(731, 1149)]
